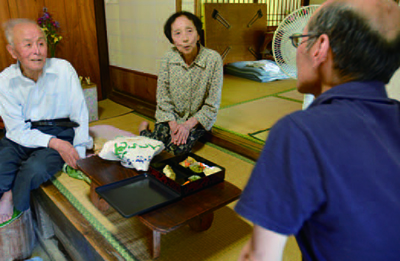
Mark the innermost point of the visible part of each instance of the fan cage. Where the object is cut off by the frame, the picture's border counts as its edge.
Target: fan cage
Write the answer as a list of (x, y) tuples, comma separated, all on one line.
[(283, 51)]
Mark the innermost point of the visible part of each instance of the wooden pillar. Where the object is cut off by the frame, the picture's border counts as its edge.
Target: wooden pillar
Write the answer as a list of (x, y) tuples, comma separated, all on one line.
[(178, 5), (197, 8)]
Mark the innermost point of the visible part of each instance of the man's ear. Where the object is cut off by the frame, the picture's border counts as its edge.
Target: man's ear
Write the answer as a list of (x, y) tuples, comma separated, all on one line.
[(320, 50), (11, 50)]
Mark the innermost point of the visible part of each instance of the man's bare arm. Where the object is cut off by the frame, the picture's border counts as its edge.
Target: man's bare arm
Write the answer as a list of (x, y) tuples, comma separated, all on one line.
[(264, 245)]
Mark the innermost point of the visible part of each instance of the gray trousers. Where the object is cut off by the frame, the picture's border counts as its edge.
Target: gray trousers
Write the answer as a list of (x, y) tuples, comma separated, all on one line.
[(23, 169)]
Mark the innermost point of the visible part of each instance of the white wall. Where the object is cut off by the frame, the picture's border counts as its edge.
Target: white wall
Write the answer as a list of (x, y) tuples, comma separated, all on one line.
[(135, 33)]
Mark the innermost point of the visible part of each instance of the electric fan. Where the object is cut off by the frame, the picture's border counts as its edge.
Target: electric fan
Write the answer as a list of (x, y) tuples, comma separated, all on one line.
[(282, 48)]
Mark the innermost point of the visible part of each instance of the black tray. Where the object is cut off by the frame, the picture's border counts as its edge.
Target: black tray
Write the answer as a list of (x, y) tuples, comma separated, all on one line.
[(137, 195)]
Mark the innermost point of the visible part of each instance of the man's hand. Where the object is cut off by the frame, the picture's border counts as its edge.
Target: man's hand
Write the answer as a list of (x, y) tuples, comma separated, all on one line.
[(66, 150)]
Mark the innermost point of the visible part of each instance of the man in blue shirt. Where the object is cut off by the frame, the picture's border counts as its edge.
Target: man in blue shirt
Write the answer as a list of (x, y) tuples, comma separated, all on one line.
[(330, 175), (45, 116)]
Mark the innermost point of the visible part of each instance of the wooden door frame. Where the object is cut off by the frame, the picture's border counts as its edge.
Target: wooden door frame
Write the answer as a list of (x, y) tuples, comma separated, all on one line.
[(102, 44)]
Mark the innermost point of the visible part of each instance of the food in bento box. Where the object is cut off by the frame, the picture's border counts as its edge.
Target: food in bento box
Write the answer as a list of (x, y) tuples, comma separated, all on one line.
[(194, 177), (211, 170), (191, 178), (197, 167), (187, 162), (169, 172)]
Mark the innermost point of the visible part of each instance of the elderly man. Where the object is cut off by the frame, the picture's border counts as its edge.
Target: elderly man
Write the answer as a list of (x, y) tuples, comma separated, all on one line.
[(45, 116), (330, 175)]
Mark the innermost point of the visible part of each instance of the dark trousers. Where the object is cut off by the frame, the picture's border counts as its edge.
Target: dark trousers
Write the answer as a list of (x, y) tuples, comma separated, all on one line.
[(23, 169), (162, 133)]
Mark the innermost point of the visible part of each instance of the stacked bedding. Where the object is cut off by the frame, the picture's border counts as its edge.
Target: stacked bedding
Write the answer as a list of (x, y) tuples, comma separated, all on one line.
[(260, 71)]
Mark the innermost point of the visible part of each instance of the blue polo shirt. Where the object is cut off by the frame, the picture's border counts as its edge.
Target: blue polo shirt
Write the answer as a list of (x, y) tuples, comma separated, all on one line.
[(330, 175)]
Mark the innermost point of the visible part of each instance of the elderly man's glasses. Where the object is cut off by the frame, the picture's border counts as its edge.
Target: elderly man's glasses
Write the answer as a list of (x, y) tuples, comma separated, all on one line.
[(296, 38)]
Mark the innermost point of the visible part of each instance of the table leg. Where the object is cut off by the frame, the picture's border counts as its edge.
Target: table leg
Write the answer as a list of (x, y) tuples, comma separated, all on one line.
[(156, 243), (97, 201), (202, 222)]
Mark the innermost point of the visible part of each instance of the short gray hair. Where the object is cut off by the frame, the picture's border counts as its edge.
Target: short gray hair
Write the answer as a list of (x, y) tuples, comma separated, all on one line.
[(9, 27), (360, 52)]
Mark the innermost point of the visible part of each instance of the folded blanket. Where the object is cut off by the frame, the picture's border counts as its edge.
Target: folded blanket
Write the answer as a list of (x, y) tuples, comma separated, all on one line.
[(260, 71)]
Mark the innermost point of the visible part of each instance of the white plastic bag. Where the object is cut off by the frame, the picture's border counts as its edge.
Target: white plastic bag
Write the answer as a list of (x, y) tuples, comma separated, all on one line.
[(133, 152)]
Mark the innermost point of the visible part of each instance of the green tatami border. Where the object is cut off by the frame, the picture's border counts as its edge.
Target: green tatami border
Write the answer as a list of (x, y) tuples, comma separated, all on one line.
[(259, 98), (93, 221), (244, 136)]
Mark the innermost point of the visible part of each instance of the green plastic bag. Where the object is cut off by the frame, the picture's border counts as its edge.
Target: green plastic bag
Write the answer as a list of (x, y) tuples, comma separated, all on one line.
[(76, 174)]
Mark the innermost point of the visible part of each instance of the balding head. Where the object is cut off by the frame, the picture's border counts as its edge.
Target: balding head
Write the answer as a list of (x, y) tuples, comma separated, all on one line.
[(364, 37), (11, 24), (381, 15)]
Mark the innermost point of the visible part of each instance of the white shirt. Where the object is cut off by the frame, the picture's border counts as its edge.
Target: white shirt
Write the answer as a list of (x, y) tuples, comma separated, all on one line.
[(393, 87), (56, 94)]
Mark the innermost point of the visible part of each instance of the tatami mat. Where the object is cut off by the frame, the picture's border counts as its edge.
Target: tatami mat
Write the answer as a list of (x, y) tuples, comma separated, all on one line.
[(127, 122), (108, 109), (294, 95), (223, 241), (237, 90), (260, 135), (256, 115)]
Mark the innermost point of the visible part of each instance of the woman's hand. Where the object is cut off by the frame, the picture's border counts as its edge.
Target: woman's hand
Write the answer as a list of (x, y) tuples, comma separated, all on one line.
[(172, 126), (181, 135), (173, 129), (180, 132)]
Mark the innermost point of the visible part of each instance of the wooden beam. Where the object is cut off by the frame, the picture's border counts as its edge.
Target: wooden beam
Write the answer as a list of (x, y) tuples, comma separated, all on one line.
[(145, 108), (77, 235), (234, 143)]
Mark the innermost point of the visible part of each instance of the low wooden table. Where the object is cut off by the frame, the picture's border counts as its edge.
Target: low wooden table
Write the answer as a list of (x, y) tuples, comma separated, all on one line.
[(196, 209)]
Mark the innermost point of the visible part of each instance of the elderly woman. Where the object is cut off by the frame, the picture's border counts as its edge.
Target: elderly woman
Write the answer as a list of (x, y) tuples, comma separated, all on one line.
[(188, 89)]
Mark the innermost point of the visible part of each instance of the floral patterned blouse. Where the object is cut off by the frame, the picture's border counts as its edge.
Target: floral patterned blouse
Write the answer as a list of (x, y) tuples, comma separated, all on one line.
[(185, 91)]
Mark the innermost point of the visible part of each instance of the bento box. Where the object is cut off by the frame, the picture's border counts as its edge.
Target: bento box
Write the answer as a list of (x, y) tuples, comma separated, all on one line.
[(187, 173), (152, 189)]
